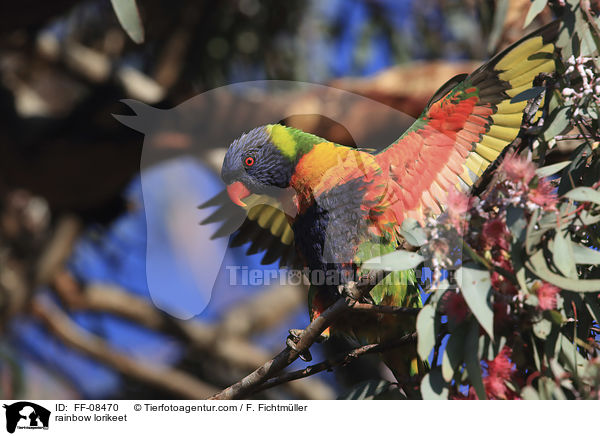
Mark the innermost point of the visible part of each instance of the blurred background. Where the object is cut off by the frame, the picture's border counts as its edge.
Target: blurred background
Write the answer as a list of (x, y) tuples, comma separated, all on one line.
[(89, 215)]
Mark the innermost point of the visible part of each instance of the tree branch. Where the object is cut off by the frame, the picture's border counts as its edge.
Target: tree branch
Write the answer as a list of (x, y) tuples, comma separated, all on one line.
[(339, 360), (354, 292), (172, 380)]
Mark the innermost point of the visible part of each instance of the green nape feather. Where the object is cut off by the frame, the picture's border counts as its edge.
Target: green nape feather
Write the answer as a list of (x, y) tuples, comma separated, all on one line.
[(292, 142)]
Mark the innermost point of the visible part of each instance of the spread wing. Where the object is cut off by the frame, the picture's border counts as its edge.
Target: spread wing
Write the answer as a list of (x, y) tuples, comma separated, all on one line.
[(262, 223), (465, 127)]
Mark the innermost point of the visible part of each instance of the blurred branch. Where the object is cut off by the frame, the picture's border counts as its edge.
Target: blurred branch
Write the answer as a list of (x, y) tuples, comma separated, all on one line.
[(265, 310), (58, 248), (172, 380), (339, 360), (230, 346), (354, 291), (233, 349), (96, 67), (111, 299)]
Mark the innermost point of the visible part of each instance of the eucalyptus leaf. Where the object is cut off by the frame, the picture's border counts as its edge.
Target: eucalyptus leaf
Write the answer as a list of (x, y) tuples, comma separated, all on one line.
[(536, 7), (529, 393), (548, 170), (537, 265), (472, 364), (588, 45), (542, 328), (129, 17), (593, 306), (588, 218), (426, 331), (498, 25), (367, 390), (476, 288), (399, 260), (585, 255), (570, 356), (562, 255), (528, 94), (555, 316), (453, 352), (516, 221), (559, 121), (414, 234), (584, 194), (433, 386)]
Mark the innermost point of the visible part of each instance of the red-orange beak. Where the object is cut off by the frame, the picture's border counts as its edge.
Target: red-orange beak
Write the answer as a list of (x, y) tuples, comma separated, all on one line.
[(237, 192)]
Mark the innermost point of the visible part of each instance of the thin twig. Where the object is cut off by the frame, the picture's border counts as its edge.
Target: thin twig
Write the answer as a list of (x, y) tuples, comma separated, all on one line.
[(488, 265), (571, 137), (339, 360), (354, 290)]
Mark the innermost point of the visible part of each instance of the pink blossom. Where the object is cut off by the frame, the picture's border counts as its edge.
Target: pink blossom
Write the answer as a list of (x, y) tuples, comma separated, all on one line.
[(455, 306), (458, 205), (495, 234), (546, 294), (518, 169), (500, 370), (543, 195), (501, 283)]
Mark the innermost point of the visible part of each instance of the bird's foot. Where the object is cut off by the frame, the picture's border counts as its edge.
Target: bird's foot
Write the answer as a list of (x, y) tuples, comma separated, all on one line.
[(294, 337)]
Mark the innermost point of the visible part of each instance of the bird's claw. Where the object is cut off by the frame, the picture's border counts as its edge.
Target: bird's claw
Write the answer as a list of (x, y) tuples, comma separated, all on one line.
[(294, 337), (297, 333), (291, 341)]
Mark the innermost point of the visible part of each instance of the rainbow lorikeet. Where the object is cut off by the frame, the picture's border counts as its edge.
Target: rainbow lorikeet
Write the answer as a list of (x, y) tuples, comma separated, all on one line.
[(331, 207)]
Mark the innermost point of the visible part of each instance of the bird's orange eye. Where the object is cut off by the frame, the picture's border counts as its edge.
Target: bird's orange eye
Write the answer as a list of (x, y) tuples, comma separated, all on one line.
[(249, 161)]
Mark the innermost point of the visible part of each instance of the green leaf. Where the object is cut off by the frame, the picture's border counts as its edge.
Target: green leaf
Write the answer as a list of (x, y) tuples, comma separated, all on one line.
[(555, 317), (593, 306), (536, 7), (559, 121), (537, 265), (517, 224), (585, 255), (516, 221), (412, 231), (588, 218), (588, 45), (548, 170), (496, 347), (433, 386), (536, 354), (529, 393), (498, 25), (475, 285), (583, 194), (454, 352), (562, 255), (399, 260), (472, 365), (570, 356), (528, 94), (542, 328), (129, 17), (368, 390), (426, 331)]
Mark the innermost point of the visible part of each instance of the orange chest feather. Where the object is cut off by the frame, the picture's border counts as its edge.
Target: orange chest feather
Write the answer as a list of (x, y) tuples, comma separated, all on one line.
[(327, 166)]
